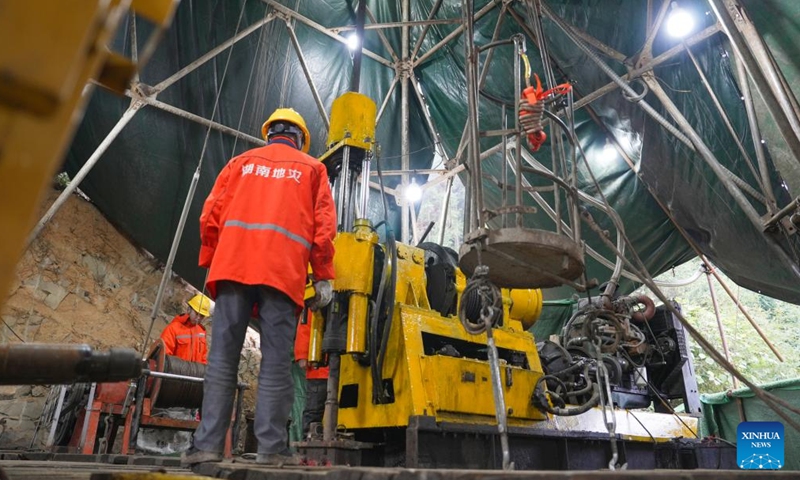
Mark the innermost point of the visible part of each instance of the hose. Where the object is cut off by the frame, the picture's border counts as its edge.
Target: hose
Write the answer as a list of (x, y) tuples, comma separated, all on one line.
[(479, 287)]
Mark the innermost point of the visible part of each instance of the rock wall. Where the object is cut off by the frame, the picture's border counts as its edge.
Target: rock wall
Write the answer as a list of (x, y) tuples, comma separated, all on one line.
[(82, 281)]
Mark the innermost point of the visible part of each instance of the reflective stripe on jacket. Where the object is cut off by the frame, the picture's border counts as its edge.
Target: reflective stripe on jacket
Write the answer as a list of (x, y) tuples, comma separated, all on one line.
[(186, 341), (268, 216), (301, 344)]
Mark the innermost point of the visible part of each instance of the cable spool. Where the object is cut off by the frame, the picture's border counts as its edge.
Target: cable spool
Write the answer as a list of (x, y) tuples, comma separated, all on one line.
[(167, 392)]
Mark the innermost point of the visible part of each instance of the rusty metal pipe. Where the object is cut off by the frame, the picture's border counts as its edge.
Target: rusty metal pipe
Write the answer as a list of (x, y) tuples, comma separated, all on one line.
[(49, 364)]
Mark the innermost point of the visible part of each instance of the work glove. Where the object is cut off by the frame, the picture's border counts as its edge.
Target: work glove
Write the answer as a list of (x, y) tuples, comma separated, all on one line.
[(323, 294)]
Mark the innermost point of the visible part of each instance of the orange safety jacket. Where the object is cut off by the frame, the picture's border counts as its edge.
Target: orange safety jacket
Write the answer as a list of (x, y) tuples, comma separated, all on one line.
[(301, 344), (186, 341), (268, 216)]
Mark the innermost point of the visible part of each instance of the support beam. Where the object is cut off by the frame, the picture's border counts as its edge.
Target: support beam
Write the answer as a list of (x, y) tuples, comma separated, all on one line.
[(454, 34), (86, 168), (316, 26), (381, 35), (160, 86), (405, 161), (638, 72), (751, 50), (433, 12), (385, 102), (307, 74), (602, 47), (196, 118), (414, 23)]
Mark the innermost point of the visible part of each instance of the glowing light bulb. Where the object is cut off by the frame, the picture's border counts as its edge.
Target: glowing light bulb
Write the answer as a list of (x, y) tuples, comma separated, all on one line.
[(680, 23), (353, 42), (412, 192)]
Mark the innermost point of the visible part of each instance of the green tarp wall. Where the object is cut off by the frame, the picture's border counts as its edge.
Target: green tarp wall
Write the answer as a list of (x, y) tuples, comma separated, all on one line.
[(721, 415)]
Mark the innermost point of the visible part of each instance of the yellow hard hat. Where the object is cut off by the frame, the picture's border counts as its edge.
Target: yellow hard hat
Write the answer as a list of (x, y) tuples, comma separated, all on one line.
[(201, 304), (290, 116)]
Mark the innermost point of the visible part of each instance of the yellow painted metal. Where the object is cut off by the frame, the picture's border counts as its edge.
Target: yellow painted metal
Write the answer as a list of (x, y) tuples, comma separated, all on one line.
[(447, 388), (317, 328), (353, 262), (526, 306), (352, 121), (357, 324), (49, 50)]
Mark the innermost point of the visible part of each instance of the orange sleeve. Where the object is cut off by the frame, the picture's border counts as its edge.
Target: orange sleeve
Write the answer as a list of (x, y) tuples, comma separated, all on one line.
[(168, 335), (321, 258), (302, 337), (210, 217)]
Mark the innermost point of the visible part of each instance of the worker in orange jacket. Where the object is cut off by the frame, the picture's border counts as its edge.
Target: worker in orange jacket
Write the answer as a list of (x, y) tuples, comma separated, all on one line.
[(269, 214), (316, 377), (185, 336)]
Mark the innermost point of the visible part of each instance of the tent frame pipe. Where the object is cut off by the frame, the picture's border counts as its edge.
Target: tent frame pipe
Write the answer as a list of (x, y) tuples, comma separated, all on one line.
[(750, 49), (473, 147), (437, 139), (445, 209), (454, 34), (302, 58), (766, 191), (387, 97), (705, 153), (404, 66), (126, 117), (646, 52), (160, 86), (381, 35), (638, 72), (721, 328), (606, 49), (411, 23), (755, 131), (316, 26), (196, 118), (431, 14)]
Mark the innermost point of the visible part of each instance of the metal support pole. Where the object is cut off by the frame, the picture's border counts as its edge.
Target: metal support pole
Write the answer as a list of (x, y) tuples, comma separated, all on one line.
[(51, 437), (765, 188), (499, 398), (160, 86), (316, 26), (86, 168), (404, 140), (705, 153), (331, 415), (387, 97), (750, 49), (455, 33), (518, 50), (87, 417), (365, 170), (755, 130), (307, 73), (445, 208), (355, 79), (719, 320), (473, 146), (433, 12)]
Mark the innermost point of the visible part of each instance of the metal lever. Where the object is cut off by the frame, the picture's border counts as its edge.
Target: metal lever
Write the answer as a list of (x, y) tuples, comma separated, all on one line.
[(497, 388)]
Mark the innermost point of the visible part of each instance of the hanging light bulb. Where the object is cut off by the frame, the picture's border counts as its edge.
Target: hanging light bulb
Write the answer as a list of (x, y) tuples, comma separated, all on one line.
[(412, 192), (680, 22), (353, 42)]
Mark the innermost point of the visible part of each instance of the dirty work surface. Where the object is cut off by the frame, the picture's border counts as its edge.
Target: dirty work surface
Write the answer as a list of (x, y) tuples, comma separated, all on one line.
[(235, 471), (36, 470)]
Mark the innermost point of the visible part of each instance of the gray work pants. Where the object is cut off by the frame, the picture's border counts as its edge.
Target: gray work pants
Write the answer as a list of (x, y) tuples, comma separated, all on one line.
[(278, 320)]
